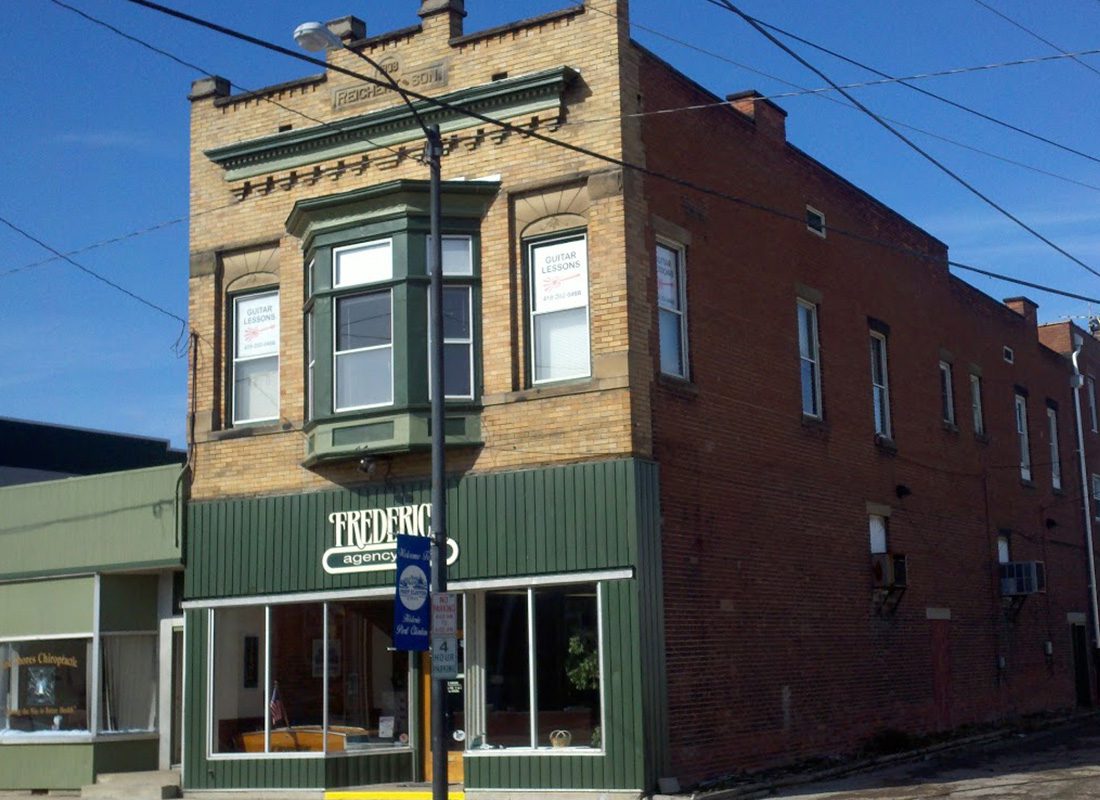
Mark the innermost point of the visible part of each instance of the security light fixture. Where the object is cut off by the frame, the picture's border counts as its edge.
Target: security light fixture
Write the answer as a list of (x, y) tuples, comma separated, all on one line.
[(315, 37)]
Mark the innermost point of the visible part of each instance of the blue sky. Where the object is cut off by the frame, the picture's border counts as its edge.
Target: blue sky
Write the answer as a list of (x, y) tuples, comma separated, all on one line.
[(94, 142)]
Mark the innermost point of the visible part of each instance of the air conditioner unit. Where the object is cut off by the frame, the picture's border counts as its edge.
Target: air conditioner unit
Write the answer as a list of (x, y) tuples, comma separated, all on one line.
[(1023, 577), (889, 570)]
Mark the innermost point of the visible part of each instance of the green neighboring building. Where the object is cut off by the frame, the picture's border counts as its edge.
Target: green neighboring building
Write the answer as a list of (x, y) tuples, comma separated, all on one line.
[(89, 582)]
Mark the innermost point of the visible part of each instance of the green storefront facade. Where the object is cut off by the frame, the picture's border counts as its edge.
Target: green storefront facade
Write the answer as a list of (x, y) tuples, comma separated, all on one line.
[(292, 682), (86, 606)]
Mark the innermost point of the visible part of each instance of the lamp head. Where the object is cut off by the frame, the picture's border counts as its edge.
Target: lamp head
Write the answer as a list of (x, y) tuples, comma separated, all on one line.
[(315, 37)]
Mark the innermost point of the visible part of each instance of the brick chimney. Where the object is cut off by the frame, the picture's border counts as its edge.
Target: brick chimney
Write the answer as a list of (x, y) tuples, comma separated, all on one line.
[(769, 118), (443, 14), (349, 29), (1025, 308)]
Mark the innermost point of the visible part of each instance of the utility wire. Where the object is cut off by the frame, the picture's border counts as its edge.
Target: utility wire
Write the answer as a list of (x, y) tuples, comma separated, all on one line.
[(905, 82), (1035, 35), (208, 73), (161, 309), (1021, 282), (726, 4), (533, 134), (115, 239)]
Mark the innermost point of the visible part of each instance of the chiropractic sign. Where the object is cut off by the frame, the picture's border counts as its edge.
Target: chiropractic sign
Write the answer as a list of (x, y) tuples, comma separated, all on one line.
[(366, 540)]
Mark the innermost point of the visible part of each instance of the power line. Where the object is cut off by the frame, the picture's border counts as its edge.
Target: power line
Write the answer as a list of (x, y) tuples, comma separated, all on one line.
[(208, 73), (534, 134), (1035, 35), (92, 273), (905, 82), (910, 143), (114, 240), (802, 91), (1021, 282)]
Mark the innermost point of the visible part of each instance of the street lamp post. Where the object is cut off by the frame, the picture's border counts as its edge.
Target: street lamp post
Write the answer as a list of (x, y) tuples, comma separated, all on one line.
[(315, 37)]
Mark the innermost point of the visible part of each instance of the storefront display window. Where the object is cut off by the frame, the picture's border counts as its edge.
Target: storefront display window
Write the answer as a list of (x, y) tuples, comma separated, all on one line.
[(129, 677), (270, 670), (542, 651), (368, 686), (44, 685)]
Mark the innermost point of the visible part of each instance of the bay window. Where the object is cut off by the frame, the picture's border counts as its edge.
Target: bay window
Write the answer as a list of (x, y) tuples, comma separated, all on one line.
[(559, 308), (363, 351)]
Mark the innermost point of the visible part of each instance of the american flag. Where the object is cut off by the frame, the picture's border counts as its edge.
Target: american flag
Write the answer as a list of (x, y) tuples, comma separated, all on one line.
[(278, 713)]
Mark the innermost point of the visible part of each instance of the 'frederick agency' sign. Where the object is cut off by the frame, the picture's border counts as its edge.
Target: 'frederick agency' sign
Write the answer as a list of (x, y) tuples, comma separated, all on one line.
[(366, 540)]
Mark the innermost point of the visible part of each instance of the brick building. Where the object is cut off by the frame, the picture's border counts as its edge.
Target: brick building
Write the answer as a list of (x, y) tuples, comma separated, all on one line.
[(680, 489)]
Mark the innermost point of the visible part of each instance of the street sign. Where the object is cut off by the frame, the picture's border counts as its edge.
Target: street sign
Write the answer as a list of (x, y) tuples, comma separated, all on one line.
[(444, 614), (411, 607), (444, 657)]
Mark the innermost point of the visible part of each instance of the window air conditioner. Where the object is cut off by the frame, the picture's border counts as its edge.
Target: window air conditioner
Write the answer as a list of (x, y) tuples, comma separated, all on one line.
[(1023, 577), (889, 570)]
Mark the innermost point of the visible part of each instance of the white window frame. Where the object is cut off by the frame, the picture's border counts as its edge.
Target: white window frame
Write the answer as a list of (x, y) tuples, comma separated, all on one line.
[(813, 358), (817, 231), (1055, 458), (267, 686), (880, 392), (368, 244), (337, 353), (947, 393), (311, 364), (238, 360), (1095, 480), (1004, 552), (976, 410), (679, 253), (468, 341), (1090, 390), (530, 246), (532, 677), (1020, 406)]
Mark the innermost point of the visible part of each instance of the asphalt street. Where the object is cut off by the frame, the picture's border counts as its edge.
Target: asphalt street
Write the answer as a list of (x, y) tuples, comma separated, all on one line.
[(1061, 764)]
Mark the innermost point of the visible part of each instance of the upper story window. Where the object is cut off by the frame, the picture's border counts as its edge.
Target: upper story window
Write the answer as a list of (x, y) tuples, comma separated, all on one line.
[(255, 357), (809, 359), (947, 393), (1055, 458), (880, 386), (878, 528), (458, 320), (671, 304), (1003, 554), (366, 340), (559, 308), (815, 221), (977, 415), (1022, 435)]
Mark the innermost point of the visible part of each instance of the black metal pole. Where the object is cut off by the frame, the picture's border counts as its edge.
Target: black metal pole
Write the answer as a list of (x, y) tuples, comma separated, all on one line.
[(439, 474)]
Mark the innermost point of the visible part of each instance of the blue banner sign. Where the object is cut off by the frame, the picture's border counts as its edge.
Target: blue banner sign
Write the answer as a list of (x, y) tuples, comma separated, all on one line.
[(411, 609)]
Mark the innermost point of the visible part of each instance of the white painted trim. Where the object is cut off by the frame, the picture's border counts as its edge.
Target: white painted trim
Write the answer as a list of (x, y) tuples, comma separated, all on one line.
[(324, 678), (106, 634), (387, 591), (94, 687), (210, 683), (284, 599), (536, 751), (48, 637), (183, 703), (603, 667), (532, 677), (168, 626), (267, 681)]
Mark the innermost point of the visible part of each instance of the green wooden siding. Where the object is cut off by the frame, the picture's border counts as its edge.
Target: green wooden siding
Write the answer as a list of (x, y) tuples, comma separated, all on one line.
[(575, 518), (40, 608), (90, 523), (46, 766), (135, 755), (531, 522), (128, 602)]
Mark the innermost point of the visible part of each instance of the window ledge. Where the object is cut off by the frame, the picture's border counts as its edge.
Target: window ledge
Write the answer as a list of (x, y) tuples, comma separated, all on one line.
[(885, 444), (245, 431), (981, 438), (675, 383), (950, 427), (1027, 484), (814, 424), (1058, 492), (556, 752), (584, 386)]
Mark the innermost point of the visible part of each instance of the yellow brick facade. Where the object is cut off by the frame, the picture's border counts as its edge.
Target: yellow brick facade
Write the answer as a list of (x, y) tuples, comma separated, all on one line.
[(239, 240)]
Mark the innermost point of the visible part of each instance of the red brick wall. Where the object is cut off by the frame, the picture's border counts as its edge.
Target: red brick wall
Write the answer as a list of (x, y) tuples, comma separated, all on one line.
[(775, 650)]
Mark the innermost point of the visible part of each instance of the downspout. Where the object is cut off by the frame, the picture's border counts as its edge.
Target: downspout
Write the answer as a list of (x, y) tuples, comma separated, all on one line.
[(1085, 495)]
